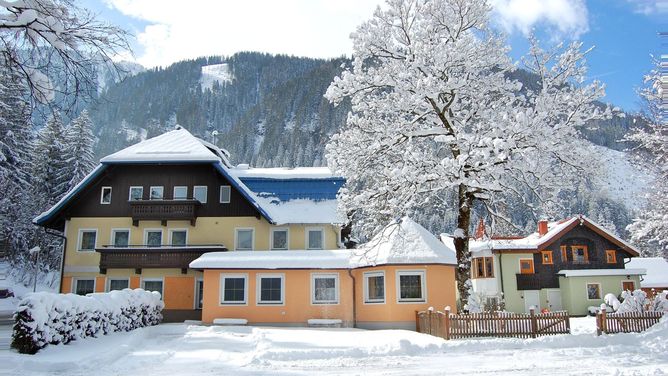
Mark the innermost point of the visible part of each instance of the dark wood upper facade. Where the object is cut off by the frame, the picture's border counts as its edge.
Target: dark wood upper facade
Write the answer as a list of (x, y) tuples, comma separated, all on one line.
[(121, 177), (564, 254)]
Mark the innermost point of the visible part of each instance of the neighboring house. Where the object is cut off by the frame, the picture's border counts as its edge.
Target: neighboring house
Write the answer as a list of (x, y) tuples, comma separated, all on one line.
[(147, 211), (381, 284), (568, 265), (656, 279)]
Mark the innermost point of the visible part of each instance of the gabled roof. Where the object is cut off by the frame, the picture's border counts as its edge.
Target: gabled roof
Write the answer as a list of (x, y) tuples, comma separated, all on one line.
[(535, 242), (657, 271), (180, 146)]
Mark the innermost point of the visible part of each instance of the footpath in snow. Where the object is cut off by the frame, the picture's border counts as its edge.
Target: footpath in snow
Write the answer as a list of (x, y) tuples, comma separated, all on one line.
[(181, 349)]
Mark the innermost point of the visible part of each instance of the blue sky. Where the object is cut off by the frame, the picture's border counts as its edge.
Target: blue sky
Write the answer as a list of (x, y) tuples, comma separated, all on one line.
[(623, 32)]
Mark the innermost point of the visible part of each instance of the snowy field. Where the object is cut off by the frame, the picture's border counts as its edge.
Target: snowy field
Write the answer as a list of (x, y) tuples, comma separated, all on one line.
[(181, 349)]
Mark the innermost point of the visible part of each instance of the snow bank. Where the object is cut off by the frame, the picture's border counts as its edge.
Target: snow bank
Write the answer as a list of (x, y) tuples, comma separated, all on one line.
[(46, 318)]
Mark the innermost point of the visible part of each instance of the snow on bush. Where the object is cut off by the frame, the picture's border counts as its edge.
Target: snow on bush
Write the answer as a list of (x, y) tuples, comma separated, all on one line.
[(637, 301), (46, 318)]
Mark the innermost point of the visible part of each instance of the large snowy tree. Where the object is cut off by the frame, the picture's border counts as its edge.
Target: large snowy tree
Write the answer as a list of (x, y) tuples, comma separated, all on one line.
[(651, 227), (434, 111), (50, 170), (78, 149)]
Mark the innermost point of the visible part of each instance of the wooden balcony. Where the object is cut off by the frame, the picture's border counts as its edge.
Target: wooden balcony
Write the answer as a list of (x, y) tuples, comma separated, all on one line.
[(164, 210), (143, 257), (528, 281)]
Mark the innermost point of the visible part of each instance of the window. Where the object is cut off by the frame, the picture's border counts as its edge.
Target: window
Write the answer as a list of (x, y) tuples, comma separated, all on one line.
[(225, 194), (564, 254), (87, 240), (84, 286), (200, 193), (628, 286), (156, 193), (180, 192), (136, 193), (580, 254), (120, 238), (279, 238), (270, 288), (244, 239), (546, 256), (374, 287), (483, 267), (314, 238), (118, 284), (153, 238), (199, 293), (233, 288), (153, 285), (105, 197), (611, 256), (178, 238), (526, 266), (411, 286), (325, 288), (593, 291)]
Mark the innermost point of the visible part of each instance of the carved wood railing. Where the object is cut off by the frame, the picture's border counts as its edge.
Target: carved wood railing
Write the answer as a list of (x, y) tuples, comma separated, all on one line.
[(164, 210), (152, 257)]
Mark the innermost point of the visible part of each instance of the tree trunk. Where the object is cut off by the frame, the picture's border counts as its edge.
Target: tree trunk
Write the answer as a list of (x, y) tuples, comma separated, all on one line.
[(461, 240)]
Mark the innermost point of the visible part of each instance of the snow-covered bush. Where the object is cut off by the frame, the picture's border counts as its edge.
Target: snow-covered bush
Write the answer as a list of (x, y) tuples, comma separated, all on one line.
[(46, 318), (660, 302), (475, 302), (637, 301)]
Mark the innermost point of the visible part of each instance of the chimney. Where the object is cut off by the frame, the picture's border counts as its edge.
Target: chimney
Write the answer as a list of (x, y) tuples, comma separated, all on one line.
[(542, 227), (480, 230)]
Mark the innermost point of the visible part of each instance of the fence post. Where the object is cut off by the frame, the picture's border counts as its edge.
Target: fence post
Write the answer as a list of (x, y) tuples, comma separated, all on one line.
[(604, 320), (447, 322), (534, 322), (417, 322)]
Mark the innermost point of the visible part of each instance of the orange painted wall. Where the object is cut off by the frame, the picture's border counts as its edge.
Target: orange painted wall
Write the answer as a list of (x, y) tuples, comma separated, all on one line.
[(440, 282), (100, 284), (297, 307), (67, 285), (179, 292)]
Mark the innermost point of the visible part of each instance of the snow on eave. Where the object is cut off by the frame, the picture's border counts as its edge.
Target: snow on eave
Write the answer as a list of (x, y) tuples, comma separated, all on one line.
[(293, 259), (657, 271), (600, 272), (284, 173), (245, 191)]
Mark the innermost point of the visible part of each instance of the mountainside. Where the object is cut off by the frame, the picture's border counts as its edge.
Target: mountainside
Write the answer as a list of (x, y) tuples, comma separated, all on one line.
[(269, 110)]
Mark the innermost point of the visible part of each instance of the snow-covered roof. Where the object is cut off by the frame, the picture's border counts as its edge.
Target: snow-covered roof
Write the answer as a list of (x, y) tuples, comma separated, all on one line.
[(173, 146), (600, 272), (657, 271), (244, 171), (402, 242), (301, 211), (535, 241)]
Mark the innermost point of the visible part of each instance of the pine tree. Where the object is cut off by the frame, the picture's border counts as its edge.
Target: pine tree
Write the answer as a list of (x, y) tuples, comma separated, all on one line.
[(50, 179), (79, 141)]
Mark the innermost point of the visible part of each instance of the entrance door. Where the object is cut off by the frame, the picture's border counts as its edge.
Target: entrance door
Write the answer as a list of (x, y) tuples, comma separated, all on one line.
[(628, 285), (531, 299), (554, 300)]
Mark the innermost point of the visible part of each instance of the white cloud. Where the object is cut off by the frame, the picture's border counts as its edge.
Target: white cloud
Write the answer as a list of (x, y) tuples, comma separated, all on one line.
[(179, 30), (650, 7), (569, 18)]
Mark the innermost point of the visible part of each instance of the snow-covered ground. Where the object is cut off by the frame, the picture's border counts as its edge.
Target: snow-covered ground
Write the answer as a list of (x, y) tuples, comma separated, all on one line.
[(181, 349)]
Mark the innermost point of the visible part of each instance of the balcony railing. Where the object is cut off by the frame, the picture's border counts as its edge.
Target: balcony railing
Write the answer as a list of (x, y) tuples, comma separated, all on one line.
[(144, 257), (164, 210), (528, 282)]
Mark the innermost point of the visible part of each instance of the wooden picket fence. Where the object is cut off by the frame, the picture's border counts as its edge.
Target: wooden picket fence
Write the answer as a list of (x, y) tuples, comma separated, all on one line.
[(627, 322), (492, 324)]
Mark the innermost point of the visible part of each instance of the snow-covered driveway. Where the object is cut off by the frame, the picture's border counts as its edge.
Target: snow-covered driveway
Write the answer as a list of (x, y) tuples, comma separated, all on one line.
[(180, 349)]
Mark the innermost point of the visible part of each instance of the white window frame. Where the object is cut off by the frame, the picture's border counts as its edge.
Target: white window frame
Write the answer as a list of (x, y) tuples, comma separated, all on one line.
[(220, 194), (171, 231), (306, 237), (174, 193), (223, 276), (287, 238), (337, 287), (258, 289), (135, 187), (423, 283), (109, 279), (112, 238), (80, 240), (236, 236), (600, 292), (77, 279), (147, 230), (162, 280), (197, 295), (367, 275), (206, 190), (102, 195), (150, 191)]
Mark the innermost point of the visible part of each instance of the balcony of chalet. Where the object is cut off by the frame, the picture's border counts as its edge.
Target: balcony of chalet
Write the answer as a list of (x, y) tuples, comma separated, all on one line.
[(164, 210), (528, 281), (140, 257)]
